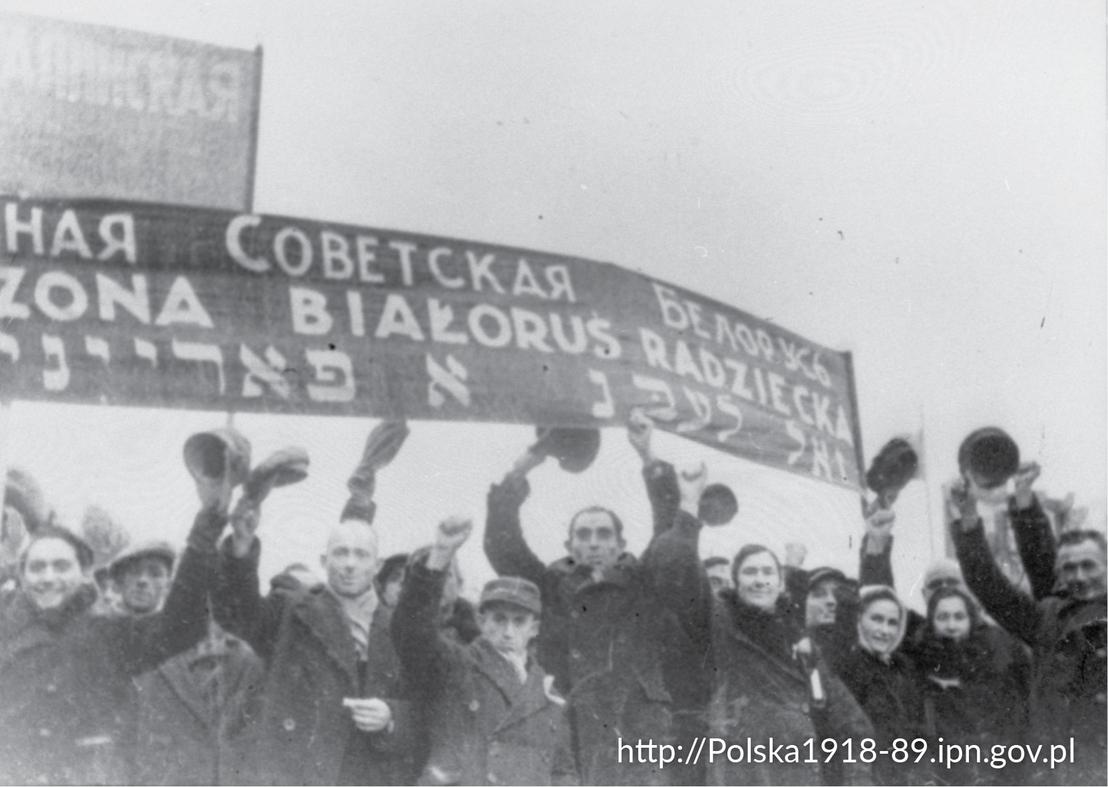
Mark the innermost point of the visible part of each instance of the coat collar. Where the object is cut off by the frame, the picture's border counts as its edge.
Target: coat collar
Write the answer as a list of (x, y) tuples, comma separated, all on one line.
[(179, 676), (524, 699), (24, 627), (621, 574), (319, 611), (721, 609)]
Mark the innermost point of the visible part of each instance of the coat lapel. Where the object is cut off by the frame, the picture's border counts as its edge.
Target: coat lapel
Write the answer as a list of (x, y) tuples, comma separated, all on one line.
[(323, 617), (181, 680), (529, 699)]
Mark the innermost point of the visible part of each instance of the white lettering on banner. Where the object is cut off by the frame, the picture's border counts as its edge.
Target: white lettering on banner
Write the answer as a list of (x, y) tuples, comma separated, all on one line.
[(818, 454), (725, 405), (62, 297), (98, 347), (657, 390), (441, 315), (605, 408), (770, 389), (56, 280), (448, 379), (702, 409), (682, 314), (270, 372), (398, 263), (147, 351), (530, 331), (25, 235), (199, 352), (9, 346), (309, 312), (334, 373), (503, 327), (397, 318), (56, 378)]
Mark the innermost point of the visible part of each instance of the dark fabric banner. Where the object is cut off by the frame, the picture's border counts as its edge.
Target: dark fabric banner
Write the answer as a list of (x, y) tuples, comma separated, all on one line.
[(168, 306)]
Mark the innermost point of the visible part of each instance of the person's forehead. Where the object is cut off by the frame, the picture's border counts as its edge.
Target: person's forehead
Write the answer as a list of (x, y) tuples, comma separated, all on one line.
[(145, 563), (51, 549), (591, 520), (759, 560), (951, 604), (824, 586), (352, 535), (1082, 550), (884, 606)]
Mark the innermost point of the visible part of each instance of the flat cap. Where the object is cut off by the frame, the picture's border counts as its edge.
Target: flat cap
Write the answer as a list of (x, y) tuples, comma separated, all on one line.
[(516, 591)]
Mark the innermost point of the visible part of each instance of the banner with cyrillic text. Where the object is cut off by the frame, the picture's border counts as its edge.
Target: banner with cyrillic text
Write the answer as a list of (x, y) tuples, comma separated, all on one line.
[(139, 304), (95, 111)]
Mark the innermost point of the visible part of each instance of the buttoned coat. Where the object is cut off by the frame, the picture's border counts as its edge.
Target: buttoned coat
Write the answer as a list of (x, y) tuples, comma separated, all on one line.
[(305, 735), (485, 726), (607, 643), (191, 734)]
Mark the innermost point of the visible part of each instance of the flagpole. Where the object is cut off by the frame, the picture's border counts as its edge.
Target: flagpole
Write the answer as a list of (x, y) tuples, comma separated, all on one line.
[(927, 485)]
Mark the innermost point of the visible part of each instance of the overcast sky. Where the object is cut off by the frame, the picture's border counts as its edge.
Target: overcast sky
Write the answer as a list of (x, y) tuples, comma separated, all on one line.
[(922, 184)]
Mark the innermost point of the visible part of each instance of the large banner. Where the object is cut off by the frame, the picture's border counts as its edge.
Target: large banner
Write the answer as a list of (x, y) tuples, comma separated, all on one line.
[(179, 307), (91, 111)]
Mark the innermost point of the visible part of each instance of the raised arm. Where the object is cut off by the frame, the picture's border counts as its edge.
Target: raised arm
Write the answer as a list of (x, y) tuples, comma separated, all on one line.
[(505, 545), (424, 653), (237, 603), (660, 478), (1013, 610), (142, 643), (1034, 538), (875, 564), (672, 562)]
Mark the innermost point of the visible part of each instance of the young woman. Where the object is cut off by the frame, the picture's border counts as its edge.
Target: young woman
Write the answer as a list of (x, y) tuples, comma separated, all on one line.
[(884, 682), (969, 694)]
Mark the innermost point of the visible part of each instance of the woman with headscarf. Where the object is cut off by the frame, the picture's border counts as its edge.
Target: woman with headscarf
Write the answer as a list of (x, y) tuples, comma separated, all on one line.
[(883, 680)]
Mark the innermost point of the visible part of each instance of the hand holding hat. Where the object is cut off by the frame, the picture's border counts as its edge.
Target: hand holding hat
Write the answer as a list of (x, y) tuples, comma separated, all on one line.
[(104, 534), (285, 466), (381, 447)]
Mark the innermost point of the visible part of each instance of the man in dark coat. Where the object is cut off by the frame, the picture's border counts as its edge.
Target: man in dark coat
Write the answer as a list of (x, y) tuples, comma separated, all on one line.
[(1066, 633), (195, 712), (334, 708), (494, 718), (65, 674), (604, 637)]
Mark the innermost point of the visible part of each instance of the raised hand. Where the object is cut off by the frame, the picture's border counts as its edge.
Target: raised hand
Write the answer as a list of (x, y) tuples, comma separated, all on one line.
[(244, 524), (690, 483), (879, 526), (962, 504), (795, 553), (1023, 479)]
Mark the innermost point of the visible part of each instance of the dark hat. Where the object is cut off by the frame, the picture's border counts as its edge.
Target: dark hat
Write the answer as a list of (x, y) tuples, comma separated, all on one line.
[(574, 448), (156, 549), (512, 590), (893, 467), (989, 456), (718, 505), (286, 466), (209, 454), (824, 573)]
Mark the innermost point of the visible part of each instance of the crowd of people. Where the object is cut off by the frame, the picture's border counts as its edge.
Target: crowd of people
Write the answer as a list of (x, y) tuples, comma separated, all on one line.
[(143, 663)]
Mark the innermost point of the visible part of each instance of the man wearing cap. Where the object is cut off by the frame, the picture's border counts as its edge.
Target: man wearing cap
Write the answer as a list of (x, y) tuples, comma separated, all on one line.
[(65, 673), (141, 575), (613, 650), (494, 716)]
